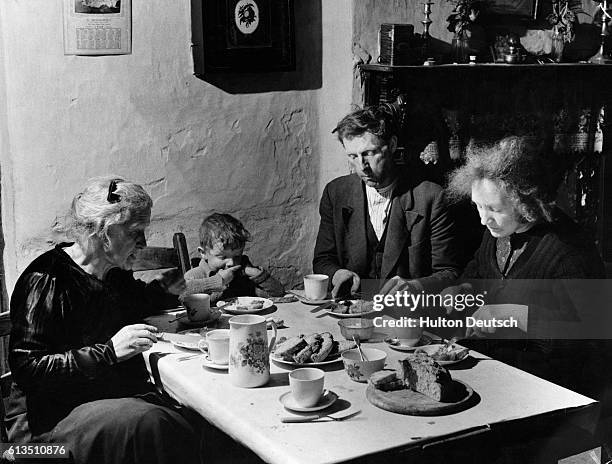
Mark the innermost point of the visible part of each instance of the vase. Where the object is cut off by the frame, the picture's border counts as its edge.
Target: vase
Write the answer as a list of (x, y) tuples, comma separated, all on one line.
[(460, 49), (556, 47)]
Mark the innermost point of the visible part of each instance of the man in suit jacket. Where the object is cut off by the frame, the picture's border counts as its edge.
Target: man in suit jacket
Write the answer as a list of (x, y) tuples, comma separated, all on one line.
[(382, 222)]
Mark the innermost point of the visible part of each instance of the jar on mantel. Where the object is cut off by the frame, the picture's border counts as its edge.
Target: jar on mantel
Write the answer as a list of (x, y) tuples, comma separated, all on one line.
[(556, 46)]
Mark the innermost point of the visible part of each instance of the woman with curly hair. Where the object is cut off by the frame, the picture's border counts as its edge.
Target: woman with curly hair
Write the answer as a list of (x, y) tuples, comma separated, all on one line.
[(529, 251)]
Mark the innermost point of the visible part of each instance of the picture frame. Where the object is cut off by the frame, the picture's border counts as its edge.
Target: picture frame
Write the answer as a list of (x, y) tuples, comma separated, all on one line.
[(242, 36), (517, 9)]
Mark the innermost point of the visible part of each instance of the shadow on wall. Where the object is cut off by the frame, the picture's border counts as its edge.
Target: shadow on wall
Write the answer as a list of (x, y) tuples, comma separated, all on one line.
[(308, 59)]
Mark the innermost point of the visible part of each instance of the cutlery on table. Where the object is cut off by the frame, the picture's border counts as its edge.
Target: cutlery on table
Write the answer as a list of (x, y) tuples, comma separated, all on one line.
[(182, 316), (318, 418), (358, 343)]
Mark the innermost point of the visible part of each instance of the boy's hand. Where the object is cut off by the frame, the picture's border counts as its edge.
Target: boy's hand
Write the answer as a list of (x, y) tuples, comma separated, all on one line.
[(227, 275), (252, 272)]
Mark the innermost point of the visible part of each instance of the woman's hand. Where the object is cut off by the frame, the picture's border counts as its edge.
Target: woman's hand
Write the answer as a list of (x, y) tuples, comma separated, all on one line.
[(252, 272), (519, 314), (453, 292), (172, 281), (133, 339)]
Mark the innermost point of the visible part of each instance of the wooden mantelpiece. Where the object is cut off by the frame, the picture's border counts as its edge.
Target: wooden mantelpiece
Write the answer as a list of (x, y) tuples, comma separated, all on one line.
[(450, 106)]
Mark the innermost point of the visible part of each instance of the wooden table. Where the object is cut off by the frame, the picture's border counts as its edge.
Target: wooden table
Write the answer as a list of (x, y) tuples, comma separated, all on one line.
[(252, 416)]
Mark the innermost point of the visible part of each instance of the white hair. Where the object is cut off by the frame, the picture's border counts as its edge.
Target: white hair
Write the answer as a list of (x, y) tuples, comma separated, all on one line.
[(100, 206)]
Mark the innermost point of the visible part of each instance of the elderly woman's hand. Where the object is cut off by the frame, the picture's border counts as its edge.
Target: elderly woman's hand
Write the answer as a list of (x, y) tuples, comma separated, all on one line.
[(172, 281), (133, 339)]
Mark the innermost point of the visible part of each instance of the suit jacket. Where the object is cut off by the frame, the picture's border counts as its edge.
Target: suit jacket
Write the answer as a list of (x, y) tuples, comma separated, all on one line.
[(420, 233)]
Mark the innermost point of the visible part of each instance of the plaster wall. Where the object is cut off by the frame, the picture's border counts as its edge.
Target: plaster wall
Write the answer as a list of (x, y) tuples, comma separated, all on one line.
[(196, 148)]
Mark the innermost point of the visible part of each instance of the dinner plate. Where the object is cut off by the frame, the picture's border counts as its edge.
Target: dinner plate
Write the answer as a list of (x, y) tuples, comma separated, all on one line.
[(334, 359), (245, 301), (424, 340), (209, 363), (349, 314), (327, 399), (299, 294), (431, 349)]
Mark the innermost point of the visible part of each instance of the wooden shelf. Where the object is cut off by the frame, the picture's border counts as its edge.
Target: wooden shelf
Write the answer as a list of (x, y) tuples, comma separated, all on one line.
[(386, 68)]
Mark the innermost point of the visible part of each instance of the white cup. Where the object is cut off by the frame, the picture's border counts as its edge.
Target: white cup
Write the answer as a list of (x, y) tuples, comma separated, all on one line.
[(197, 306), (408, 335), (217, 346), (306, 386), (315, 286)]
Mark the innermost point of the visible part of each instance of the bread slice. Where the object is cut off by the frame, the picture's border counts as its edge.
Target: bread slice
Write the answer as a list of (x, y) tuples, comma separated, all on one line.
[(421, 373), (386, 380), (289, 347), (313, 344), (327, 343)]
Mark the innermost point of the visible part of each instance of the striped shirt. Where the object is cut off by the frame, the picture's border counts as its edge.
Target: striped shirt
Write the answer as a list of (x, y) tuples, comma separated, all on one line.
[(379, 204)]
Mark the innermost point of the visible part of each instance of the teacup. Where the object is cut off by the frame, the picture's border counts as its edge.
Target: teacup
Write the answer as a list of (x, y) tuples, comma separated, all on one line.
[(360, 371), (315, 286), (217, 346), (306, 386), (198, 307), (410, 333)]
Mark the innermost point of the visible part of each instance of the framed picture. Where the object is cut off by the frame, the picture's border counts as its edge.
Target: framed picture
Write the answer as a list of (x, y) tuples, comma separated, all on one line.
[(242, 36), (524, 9)]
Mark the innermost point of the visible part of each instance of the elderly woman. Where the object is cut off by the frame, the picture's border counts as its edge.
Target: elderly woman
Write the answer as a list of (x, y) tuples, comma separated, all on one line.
[(77, 338), (529, 250)]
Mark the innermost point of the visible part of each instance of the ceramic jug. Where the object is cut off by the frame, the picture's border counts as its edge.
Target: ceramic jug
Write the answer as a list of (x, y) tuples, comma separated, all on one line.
[(249, 356)]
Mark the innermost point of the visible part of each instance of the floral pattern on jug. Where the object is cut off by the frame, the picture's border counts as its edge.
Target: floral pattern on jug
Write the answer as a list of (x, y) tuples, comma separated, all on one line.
[(253, 353)]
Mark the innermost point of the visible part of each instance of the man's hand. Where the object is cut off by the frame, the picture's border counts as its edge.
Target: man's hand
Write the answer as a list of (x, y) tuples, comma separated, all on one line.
[(454, 291), (340, 277), (172, 281), (133, 339), (227, 275), (498, 312)]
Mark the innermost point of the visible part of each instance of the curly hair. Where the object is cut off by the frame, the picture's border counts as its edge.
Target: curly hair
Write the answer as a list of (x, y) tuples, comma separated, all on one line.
[(92, 211), (224, 229), (377, 120), (519, 169)]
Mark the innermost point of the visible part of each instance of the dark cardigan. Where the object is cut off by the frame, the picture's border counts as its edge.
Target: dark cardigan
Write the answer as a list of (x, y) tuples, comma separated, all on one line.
[(555, 252)]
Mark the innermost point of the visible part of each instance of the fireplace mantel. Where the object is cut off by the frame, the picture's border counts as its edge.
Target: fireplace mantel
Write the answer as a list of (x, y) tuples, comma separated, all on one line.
[(453, 105)]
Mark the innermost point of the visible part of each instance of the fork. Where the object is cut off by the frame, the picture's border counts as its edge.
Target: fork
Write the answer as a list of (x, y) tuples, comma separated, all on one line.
[(317, 417)]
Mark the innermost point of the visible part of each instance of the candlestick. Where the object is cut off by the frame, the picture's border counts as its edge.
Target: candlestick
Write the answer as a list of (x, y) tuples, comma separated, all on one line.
[(426, 23), (600, 57)]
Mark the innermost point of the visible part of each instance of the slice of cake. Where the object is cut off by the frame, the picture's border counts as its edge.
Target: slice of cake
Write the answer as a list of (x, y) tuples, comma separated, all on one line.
[(288, 348), (421, 373), (386, 380)]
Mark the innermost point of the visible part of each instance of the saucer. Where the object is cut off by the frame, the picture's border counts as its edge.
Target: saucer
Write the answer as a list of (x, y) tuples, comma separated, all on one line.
[(300, 295), (423, 341), (214, 317), (327, 399), (208, 363)]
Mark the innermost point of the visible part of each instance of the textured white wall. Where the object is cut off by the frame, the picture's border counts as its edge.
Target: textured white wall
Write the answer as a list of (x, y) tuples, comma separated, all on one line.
[(145, 116)]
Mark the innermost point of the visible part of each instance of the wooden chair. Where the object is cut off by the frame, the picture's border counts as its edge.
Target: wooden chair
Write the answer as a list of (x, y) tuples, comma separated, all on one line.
[(149, 258)]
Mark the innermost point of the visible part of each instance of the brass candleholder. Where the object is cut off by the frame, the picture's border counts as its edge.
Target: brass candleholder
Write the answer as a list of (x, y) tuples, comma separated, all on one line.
[(425, 37), (600, 57)]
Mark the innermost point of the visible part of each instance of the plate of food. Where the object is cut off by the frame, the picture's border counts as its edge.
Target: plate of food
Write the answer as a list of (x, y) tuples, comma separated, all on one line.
[(419, 386), (316, 349), (245, 305), (397, 345), (445, 355), (351, 308)]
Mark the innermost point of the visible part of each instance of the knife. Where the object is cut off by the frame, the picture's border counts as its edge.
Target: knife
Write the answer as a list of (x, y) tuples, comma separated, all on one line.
[(317, 418)]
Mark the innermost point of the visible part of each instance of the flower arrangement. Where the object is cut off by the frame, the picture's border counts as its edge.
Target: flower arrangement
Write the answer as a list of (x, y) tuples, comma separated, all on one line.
[(563, 18), (465, 13)]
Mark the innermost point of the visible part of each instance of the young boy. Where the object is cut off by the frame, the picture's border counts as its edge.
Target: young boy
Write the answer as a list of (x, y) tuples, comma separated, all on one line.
[(224, 271)]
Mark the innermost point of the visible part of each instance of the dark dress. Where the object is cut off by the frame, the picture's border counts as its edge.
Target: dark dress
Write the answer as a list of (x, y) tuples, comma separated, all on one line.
[(68, 386), (554, 254)]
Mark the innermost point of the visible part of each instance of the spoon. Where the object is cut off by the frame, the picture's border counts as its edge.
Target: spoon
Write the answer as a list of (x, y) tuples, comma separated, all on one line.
[(356, 340)]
